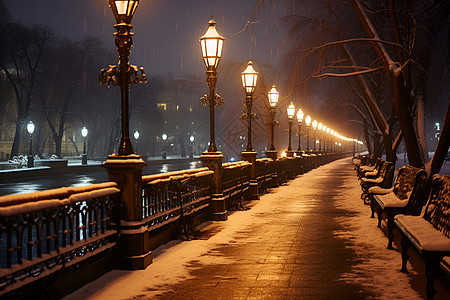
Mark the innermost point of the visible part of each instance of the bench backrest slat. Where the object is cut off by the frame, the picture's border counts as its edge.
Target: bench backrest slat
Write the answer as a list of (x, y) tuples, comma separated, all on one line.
[(437, 211)]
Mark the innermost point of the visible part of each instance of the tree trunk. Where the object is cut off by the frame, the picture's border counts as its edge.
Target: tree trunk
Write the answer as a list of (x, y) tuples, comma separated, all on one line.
[(405, 119)]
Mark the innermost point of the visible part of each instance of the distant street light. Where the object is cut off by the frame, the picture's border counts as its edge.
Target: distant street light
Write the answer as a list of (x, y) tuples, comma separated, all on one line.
[(136, 137), (273, 101), (191, 138), (319, 135), (211, 44), (300, 120), (308, 123), (30, 129), (314, 125), (249, 78), (327, 143), (123, 74), (84, 133), (164, 154), (290, 113)]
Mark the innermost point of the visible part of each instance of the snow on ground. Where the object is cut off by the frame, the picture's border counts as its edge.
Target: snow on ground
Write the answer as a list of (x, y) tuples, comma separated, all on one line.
[(379, 270), (380, 267)]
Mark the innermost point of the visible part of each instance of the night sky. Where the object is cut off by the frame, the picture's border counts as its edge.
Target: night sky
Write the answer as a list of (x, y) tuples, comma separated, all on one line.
[(166, 32)]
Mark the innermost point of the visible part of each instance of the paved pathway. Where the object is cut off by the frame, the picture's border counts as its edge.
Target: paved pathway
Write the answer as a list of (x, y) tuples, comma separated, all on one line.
[(291, 254), (286, 246)]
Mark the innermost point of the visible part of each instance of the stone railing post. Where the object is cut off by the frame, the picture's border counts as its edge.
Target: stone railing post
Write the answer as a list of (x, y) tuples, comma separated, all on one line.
[(134, 249), (274, 156), (213, 161), (252, 193)]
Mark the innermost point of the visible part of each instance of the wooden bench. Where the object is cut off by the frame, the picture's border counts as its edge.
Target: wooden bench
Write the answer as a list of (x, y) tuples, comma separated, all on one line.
[(367, 163), (408, 196), (429, 233), (383, 180)]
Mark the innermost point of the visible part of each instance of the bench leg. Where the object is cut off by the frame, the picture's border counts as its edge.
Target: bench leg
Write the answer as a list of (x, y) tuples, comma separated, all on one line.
[(372, 207), (390, 225), (405, 246), (431, 273), (379, 214)]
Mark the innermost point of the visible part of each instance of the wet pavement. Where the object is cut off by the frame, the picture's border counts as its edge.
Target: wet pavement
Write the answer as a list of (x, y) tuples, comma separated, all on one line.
[(284, 246), (291, 254)]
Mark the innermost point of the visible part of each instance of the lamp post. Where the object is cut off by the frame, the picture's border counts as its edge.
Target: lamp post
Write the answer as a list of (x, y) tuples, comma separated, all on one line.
[(290, 113), (319, 135), (273, 101), (308, 123), (30, 129), (300, 120), (191, 138), (249, 78), (136, 137), (164, 154), (327, 143), (211, 44), (314, 125), (84, 133), (123, 74)]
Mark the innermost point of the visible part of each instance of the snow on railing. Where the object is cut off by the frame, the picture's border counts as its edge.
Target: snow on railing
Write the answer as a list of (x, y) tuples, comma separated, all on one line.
[(168, 197), (46, 231)]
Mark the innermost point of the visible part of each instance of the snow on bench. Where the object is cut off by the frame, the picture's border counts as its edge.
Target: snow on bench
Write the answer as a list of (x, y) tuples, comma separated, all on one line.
[(408, 196), (429, 233)]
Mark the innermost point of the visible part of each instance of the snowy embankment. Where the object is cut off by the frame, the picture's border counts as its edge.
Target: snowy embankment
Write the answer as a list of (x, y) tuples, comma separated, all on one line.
[(172, 263), (379, 269)]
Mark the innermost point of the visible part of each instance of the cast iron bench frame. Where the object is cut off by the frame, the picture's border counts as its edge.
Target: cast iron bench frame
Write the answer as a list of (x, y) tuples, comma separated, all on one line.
[(409, 180), (436, 215)]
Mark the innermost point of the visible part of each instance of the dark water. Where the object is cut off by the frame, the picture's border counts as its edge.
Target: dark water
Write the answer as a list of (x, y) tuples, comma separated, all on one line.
[(34, 184)]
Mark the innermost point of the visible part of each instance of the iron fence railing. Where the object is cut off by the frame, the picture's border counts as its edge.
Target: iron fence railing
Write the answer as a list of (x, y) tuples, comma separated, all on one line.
[(46, 231), (171, 196)]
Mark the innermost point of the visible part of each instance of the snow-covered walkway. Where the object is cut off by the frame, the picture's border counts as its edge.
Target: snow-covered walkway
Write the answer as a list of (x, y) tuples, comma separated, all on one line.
[(311, 238)]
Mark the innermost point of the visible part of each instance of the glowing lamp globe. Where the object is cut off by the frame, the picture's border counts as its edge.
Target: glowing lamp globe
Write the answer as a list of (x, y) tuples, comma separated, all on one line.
[(308, 120), (300, 115), (211, 44), (249, 77), (291, 111), (30, 127), (123, 10), (84, 132), (273, 96)]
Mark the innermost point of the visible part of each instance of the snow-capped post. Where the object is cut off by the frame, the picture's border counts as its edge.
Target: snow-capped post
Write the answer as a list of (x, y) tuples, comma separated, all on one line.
[(125, 168), (211, 44), (249, 79), (290, 113)]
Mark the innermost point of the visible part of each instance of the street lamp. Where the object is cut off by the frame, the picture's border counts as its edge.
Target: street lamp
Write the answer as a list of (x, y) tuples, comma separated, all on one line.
[(136, 137), (211, 44), (164, 154), (273, 101), (123, 74), (30, 129), (84, 133), (314, 125), (300, 120), (328, 138), (319, 135), (249, 78), (290, 113), (191, 138), (308, 123)]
